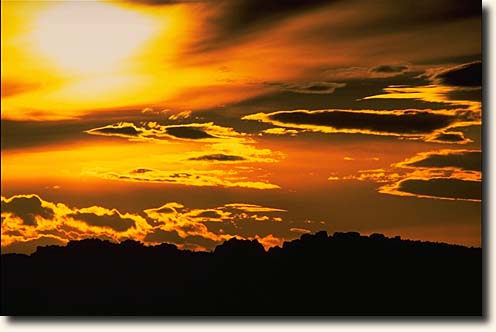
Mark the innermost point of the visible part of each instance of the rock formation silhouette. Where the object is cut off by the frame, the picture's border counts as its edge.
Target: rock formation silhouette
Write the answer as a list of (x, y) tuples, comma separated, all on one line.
[(342, 274)]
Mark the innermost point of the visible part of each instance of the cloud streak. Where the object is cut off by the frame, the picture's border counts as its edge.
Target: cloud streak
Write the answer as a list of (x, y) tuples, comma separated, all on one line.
[(152, 131), (309, 88), (411, 124), (198, 178)]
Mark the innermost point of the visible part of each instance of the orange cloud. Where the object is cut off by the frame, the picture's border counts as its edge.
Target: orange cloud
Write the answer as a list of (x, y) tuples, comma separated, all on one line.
[(28, 221), (198, 178), (443, 174), (152, 131)]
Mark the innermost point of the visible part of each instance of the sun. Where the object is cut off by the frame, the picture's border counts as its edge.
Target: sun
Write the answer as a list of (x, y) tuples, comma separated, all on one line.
[(90, 37)]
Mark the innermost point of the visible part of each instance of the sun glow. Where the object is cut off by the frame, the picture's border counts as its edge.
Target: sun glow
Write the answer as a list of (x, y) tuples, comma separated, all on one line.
[(93, 38)]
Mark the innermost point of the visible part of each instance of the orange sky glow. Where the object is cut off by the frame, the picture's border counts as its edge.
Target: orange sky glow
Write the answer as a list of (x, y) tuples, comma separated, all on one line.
[(192, 122)]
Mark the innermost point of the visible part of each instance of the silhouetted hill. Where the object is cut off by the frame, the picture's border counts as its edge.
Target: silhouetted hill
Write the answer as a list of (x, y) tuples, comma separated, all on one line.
[(343, 274)]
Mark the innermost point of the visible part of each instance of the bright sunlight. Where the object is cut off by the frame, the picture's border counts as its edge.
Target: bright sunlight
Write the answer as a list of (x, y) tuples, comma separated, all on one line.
[(93, 38)]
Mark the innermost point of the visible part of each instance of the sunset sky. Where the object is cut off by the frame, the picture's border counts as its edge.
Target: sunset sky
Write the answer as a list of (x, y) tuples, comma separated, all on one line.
[(192, 121)]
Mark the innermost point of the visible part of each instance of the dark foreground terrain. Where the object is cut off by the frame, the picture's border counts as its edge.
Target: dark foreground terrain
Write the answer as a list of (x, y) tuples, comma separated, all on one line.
[(343, 274)]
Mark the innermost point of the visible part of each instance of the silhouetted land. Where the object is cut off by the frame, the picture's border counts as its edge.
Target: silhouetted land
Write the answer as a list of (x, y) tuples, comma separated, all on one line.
[(343, 274)]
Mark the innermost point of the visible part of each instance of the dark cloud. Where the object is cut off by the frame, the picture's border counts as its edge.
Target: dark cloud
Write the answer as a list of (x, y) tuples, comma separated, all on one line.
[(188, 132), (163, 2), (465, 94), (468, 75), (165, 210), (385, 16), (408, 122), (218, 157), (123, 130), (154, 131), (160, 236), (27, 208), (211, 214), (29, 246), (450, 137), (141, 171), (181, 175), (443, 188), (311, 87), (465, 160), (238, 17), (25, 134), (350, 96), (389, 69), (114, 221)]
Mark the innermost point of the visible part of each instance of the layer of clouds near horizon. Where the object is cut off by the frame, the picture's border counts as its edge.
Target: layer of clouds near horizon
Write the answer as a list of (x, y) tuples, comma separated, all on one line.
[(29, 220)]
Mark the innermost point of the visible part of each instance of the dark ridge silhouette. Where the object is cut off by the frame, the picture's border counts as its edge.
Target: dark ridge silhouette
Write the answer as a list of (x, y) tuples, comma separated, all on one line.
[(343, 274)]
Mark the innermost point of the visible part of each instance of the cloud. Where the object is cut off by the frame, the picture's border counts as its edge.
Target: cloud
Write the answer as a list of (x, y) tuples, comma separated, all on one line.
[(29, 246), (216, 224), (378, 175), (162, 2), (233, 150), (218, 157), (152, 131), (449, 137), (406, 123), (389, 69), (435, 92), (468, 160), (30, 218), (198, 178), (280, 131), (188, 132), (466, 75), (42, 222), (309, 88), (252, 208), (180, 116), (240, 17), (120, 129), (300, 230), (442, 174), (11, 88), (141, 170), (112, 219), (27, 208), (438, 188)]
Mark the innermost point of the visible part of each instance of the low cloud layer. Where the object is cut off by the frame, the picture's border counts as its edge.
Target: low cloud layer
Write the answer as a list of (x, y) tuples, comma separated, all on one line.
[(42, 223)]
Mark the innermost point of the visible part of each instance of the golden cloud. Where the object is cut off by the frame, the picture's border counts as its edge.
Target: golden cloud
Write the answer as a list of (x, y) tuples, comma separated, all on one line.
[(55, 223), (442, 174)]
